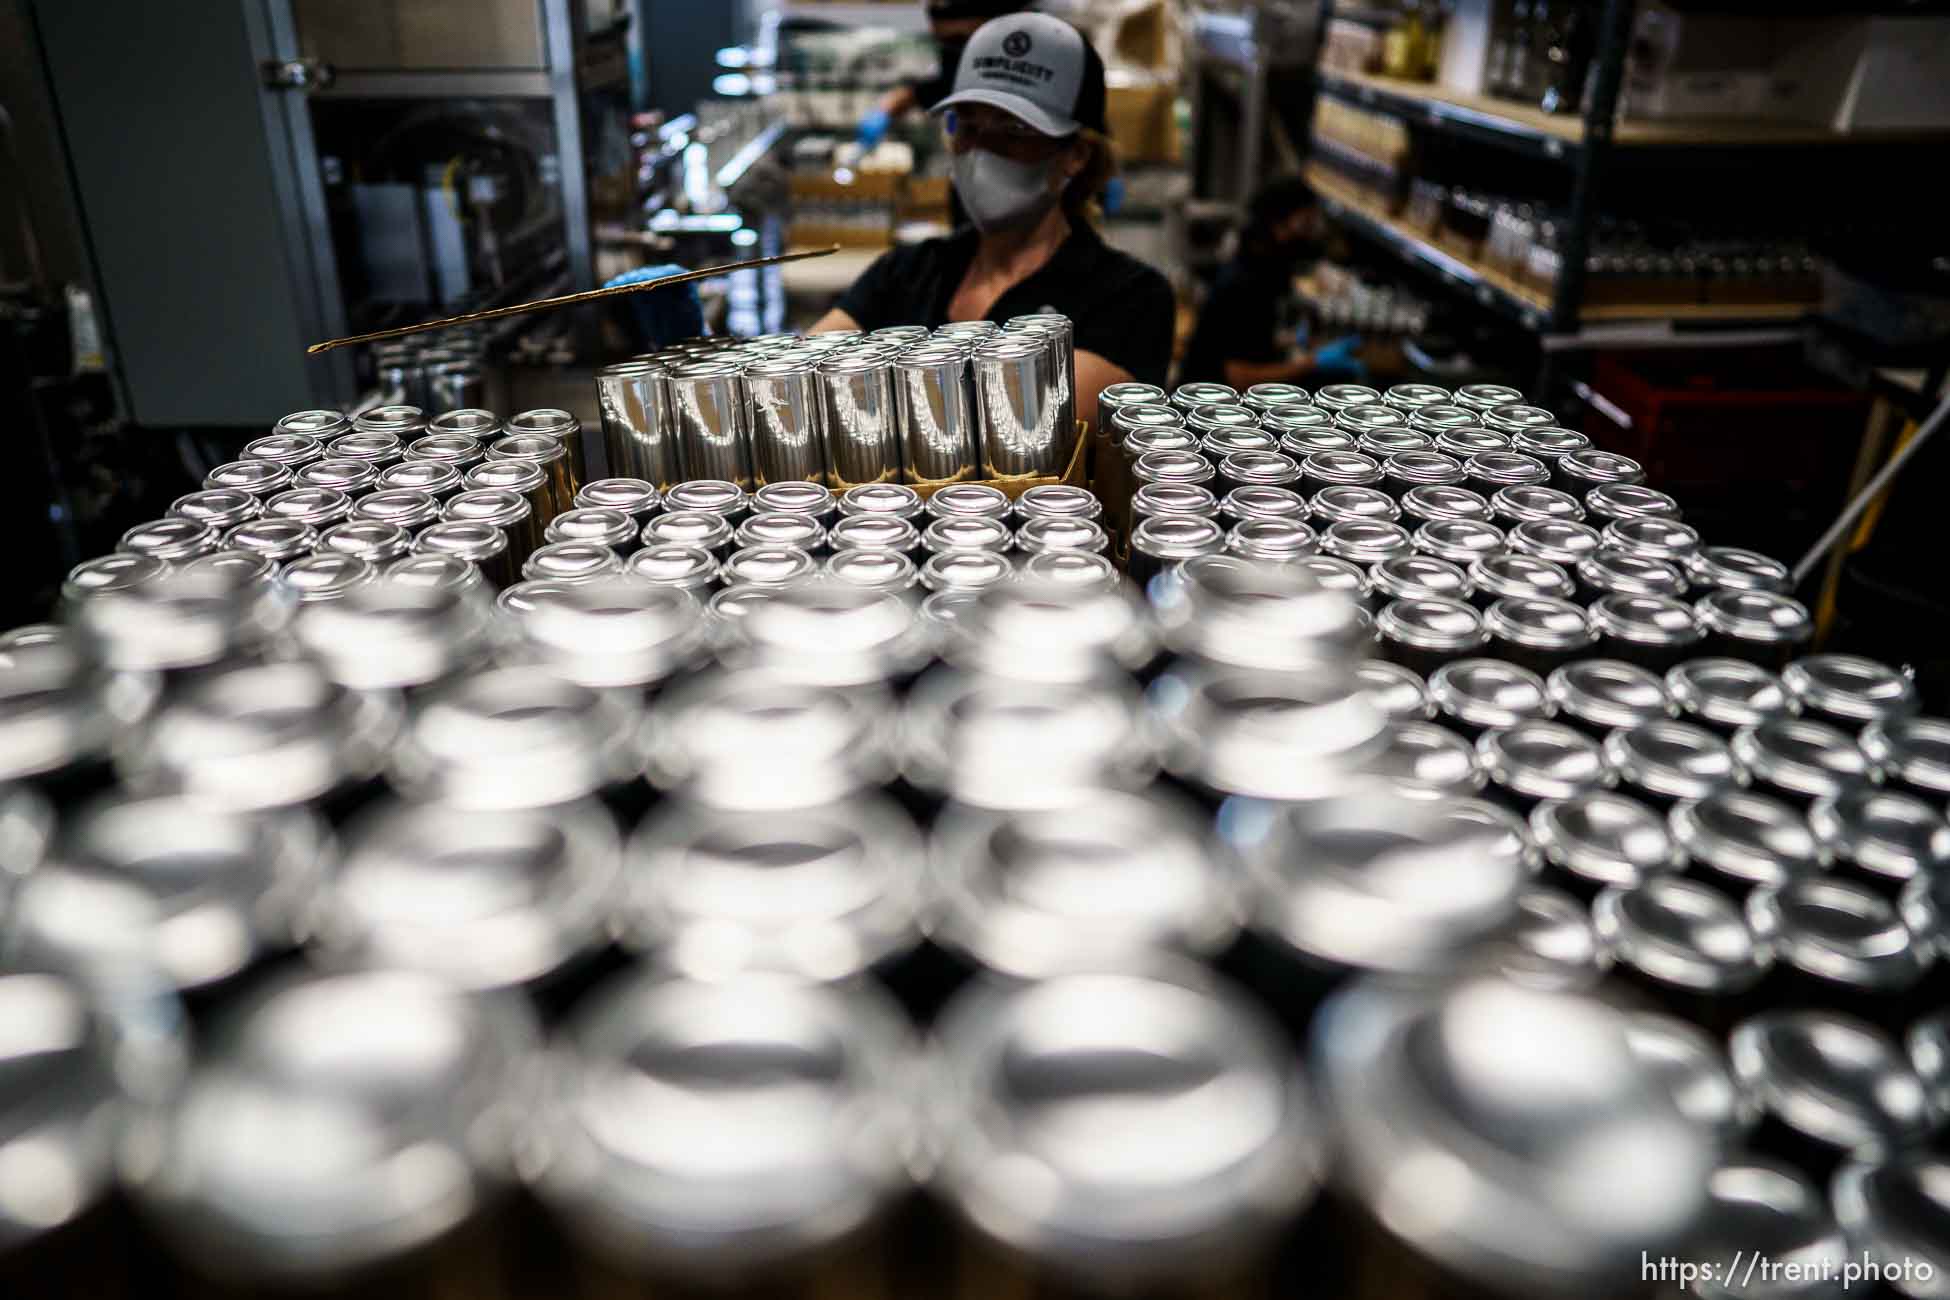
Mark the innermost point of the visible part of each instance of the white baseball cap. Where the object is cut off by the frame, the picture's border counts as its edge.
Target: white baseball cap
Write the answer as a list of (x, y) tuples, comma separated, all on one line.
[(1035, 67)]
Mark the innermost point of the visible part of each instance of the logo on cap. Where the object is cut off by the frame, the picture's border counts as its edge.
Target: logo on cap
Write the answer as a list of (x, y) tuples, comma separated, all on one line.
[(1016, 44)]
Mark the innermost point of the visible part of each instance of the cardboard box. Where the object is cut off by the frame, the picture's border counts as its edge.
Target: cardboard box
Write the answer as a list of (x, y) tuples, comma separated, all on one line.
[(1900, 76), (1706, 67), (1143, 118), (1077, 473)]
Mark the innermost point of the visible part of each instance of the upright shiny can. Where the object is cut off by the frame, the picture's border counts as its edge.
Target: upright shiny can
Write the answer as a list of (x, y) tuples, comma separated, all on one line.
[(863, 435), (788, 430), (934, 395), (1020, 410), (710, 416)]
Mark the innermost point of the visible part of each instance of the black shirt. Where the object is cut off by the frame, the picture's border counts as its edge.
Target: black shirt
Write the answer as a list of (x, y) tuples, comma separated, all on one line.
[(1121, 309), (1240, 320)]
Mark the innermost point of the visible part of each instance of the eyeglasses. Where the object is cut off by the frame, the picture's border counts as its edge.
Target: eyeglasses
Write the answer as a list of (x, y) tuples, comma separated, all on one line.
[(999, 133)]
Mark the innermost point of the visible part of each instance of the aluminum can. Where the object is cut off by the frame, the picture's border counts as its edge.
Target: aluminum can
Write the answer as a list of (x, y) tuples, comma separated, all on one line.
[(1159, 541), (287, 449), (1482, 398), (469, 422), (439, 481), (328, 576), (321, 424), (1459, 541), (401, 421), (220, 508), (483, 545), (1335, 398), (224, 1202), (1364, 541), (1425, 502), (318, 507), (971, 500), (277, 539), (1436, 418), (935, 406), (810, 1208), (551, 457), (1831, 1087), (1197, 1235), (343, 474), (671, 564), (549, 422), (1848, 690), (787, 421), (402, 506), (445, 574), (1467, 441), (456, 450), (611, 528), (1913, 754), (1538, 759), (1600, 695), (571, 562), (635, 497), (1762, 627), (174, 539), (710, 415), (379, 449), (261, 478), (1188, 397), (1577, 472), (1540, 633), (1343, 502), (1654, 632), (1021, 405), (102, 1060), (1269, 397), (1724, 695), (1059, 334), (1601, 839), (369, 539), (115, 572), (1558, 541), (507, 511)]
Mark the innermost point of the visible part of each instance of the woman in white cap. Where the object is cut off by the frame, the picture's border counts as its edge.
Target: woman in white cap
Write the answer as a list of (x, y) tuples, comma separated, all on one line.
[(1030, 157)]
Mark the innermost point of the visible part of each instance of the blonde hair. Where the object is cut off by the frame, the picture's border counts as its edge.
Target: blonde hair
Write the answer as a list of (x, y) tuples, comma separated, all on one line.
[(1081, 196)]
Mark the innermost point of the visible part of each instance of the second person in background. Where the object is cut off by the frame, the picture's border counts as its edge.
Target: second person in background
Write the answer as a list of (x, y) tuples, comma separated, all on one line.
[(1031, 158)]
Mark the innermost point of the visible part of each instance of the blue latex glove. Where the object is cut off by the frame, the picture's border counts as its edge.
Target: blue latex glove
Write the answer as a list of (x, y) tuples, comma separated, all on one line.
[(1113, 195), (1335, 360), (873, 128), (660, 317)]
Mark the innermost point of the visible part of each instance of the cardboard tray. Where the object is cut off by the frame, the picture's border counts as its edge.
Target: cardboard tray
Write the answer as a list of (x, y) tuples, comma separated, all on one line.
[(1076, 473)]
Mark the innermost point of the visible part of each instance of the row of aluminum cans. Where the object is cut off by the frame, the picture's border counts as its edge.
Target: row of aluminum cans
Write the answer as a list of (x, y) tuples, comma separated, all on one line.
[(1178, 933), (324, 515), (902, 404)]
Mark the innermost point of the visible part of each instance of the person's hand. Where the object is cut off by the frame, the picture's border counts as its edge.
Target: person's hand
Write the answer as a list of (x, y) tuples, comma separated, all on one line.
[(1338, 359), (1113, 196), (873, 129), (658, 317)]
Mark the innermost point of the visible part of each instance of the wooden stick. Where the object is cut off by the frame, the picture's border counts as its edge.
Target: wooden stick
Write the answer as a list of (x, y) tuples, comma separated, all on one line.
[(567, 300)]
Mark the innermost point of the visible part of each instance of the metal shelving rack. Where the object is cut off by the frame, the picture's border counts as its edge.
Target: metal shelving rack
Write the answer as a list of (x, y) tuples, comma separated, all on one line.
[(1588, 144)]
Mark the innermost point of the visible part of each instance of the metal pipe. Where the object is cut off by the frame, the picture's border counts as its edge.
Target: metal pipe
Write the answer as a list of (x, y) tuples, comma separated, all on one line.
[(1840, 527)]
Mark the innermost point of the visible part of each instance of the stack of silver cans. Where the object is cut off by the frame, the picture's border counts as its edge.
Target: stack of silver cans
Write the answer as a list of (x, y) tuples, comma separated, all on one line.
[(901, 405), (781, 891)]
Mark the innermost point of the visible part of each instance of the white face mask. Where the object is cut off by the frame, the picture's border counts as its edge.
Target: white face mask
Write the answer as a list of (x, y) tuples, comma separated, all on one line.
[(1001, 193)]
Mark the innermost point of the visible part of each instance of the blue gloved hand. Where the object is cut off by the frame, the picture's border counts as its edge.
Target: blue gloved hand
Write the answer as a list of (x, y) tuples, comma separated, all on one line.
[(873, 128), (660, 316), (1113, 195), (1337, 359)]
